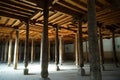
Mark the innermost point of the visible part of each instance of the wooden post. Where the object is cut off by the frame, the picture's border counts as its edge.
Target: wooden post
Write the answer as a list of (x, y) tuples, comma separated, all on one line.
[(61, 50), (95, 71), (10, 50), (15, 62), (6, 51), (56, 48), (44, 42), (32, 50), (87, 59), (20, 50), (114, 49), (49, 51), (2, 54), (76, 50), (26, 49), (101, 49), (80, 48)]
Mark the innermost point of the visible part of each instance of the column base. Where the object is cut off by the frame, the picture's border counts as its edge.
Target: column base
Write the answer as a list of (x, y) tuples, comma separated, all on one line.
[(25, 71), (81, 71), (45, 79), (57, 68)]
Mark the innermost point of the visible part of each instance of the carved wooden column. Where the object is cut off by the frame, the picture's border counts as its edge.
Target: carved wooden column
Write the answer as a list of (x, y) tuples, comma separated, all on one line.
[(56, 48), (101, 49), (15, 62), (95, 71), (61, 50), (26, 49), (80, 48), (6, 51), (44, 42), (10, 50), (114, 49), (32, 50), (76, 50)]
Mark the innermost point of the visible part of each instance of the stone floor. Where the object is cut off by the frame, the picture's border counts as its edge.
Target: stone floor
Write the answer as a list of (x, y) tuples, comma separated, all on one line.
[(68, 72)]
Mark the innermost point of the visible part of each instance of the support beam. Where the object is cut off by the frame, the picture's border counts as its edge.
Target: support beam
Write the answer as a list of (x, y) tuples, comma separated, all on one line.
[(44, 42), (114, 49), (95, 72), (15, 62), (101, 50), (56, 48), (32, 50), (80, 48), (10, 51), (26, 49)]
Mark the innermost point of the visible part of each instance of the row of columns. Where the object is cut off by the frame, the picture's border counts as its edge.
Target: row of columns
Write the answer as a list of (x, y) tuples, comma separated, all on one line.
[(92, 38)]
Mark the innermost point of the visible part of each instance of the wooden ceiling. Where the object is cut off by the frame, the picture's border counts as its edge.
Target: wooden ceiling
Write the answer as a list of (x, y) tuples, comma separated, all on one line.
[(14, 13)]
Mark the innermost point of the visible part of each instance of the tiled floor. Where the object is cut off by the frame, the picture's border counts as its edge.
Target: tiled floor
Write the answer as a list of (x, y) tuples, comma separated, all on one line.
[(68, 72)]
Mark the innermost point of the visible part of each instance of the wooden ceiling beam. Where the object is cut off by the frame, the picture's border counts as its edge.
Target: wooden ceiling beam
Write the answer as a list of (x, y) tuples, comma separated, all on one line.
[(72, 7), (16, 7), (14, 11), (78, 3), (65, 10), (16, 3), (11, 15), (57, 7)]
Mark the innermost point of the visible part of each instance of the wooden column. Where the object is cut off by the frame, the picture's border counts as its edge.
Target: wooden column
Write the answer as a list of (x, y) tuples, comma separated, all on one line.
[(15, 62), (6, 51), (87, 59), (10, 50), (80, 48), (101, 49), (32, 50), (26, 49), (49, 51), (44, 42), (95, 71), (2, 53), (61, 50), (76, 50), (56, 48), (114, 49), (20, 51)]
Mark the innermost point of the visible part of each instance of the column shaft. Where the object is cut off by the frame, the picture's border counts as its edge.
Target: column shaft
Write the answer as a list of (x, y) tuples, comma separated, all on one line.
[(114, 49), (26, 48), (10, 51), (44, 42), (6, 51), (80, 45), (101, 49), (93, 42), (76, 50), (2, 54), (32, 51), (16, 50), (61, 51), (56, 48)]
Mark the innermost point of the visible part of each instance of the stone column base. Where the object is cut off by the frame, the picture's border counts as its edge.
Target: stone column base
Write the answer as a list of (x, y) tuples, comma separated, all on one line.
[(26, 71)]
